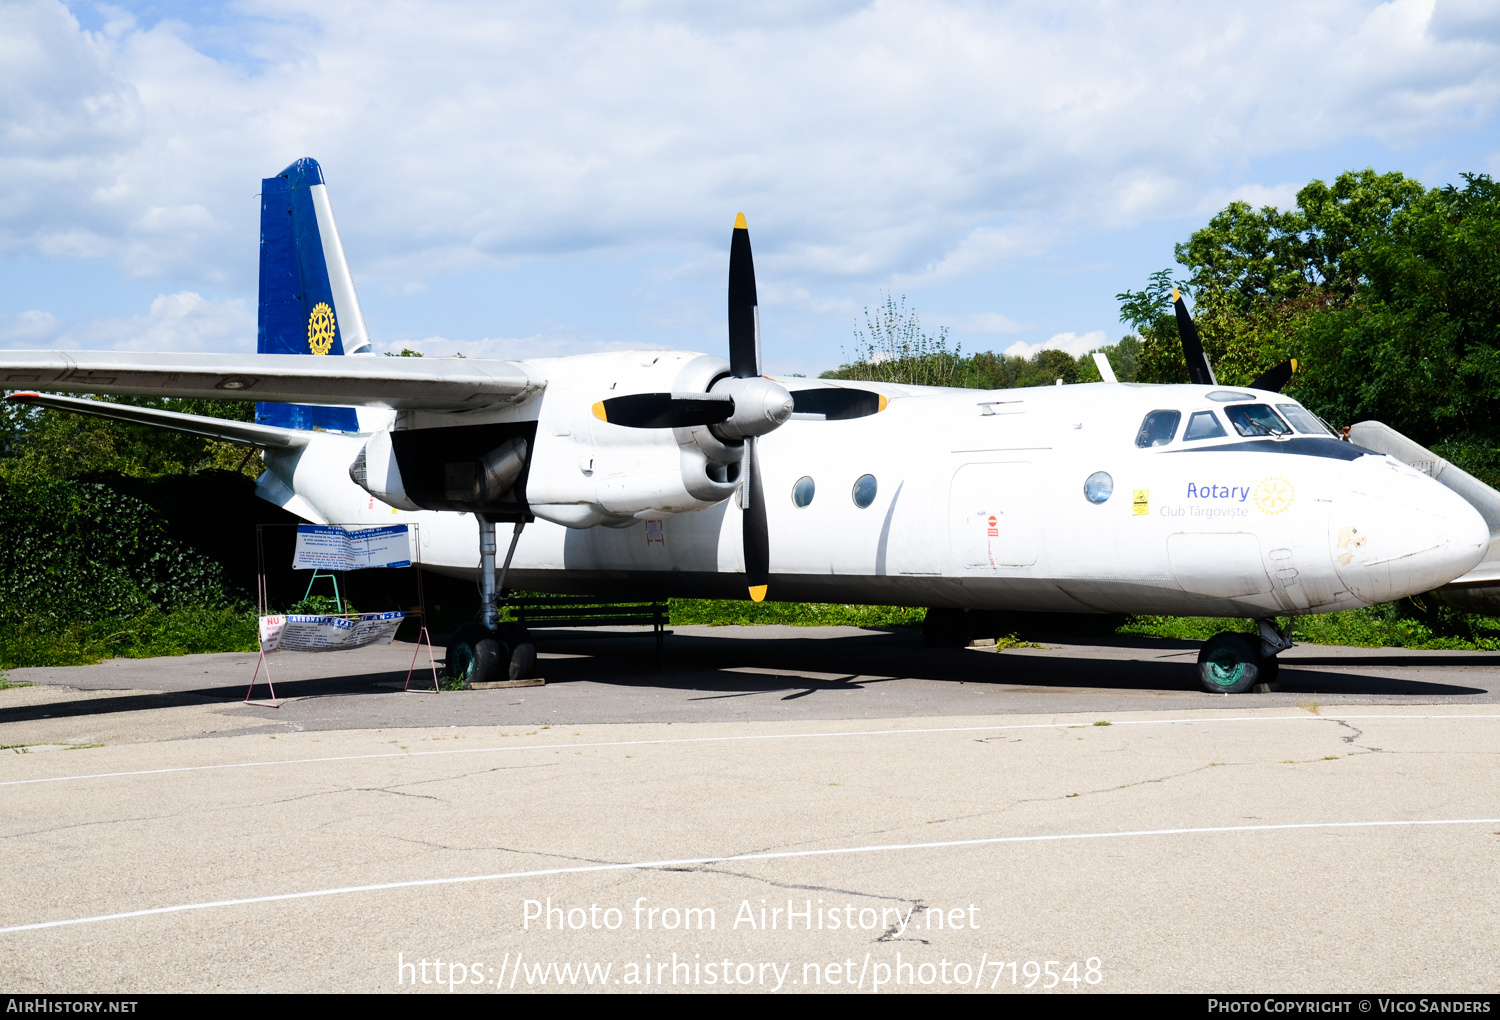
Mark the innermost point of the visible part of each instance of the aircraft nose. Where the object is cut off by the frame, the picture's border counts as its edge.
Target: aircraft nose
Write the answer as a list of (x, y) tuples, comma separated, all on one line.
[(1395, 532)]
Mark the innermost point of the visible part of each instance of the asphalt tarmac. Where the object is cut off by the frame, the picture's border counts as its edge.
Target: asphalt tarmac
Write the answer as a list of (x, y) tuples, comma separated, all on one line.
[(777, 810)]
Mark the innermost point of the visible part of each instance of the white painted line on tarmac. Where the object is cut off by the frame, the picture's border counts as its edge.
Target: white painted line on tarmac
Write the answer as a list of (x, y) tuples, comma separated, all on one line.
[(719, 739), (735, 858)]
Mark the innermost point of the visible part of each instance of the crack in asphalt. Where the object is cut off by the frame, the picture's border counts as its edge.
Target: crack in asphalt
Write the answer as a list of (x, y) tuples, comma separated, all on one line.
[(84, 825), (1354, 734)]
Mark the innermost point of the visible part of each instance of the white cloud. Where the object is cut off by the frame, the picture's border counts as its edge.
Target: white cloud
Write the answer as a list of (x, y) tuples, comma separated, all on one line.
[(981, 322), (913, 141), (185, 321), (982, 248), (1074, 343), (1257, 196)]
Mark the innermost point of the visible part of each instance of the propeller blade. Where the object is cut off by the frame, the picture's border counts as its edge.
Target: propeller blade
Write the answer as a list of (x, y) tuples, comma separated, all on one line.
[(1200, 372), (744, 315), (664, 410), (1274, 379), (757, 538)]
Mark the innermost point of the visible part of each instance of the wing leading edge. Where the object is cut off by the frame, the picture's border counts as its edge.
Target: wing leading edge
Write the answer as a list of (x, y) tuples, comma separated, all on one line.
[(427, 384)]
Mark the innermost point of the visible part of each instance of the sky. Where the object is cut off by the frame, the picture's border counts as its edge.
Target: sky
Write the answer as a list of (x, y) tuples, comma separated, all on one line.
[(535, 179)]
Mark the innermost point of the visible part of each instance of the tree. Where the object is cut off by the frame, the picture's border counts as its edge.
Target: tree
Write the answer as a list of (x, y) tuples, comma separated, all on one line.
[(38, 444), (893, 348), (1387, 293)]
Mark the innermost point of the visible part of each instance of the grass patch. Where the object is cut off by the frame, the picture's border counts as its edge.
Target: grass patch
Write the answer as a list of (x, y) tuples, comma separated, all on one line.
[(1406, 624), (183, 631), (726, 612)]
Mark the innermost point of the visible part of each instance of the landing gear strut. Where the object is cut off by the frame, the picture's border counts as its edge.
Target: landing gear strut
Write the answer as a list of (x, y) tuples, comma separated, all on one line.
[(1232, 663), (489, 650)]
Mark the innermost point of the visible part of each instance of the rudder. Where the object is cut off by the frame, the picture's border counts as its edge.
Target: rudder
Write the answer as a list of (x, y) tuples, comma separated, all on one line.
[(307, 299)]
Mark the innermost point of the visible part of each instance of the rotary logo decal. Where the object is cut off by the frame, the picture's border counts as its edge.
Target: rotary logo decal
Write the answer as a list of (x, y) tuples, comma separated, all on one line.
[(1273, 495), (320, 329)]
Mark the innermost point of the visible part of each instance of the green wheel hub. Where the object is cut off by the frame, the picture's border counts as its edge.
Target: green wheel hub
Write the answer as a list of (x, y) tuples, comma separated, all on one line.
[(460, 662), (1225, 668)]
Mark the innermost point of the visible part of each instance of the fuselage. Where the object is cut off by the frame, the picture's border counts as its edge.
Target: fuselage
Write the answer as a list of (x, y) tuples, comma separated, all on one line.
[(1062, 499)]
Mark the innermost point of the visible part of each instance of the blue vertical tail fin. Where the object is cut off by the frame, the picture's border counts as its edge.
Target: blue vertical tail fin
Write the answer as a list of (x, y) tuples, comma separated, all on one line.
[(307, 299)]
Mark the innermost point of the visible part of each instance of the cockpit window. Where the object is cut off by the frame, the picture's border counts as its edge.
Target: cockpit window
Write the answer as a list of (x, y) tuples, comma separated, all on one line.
[(1158, 428), (1257, 420), (1302, 420), (1203, 425)]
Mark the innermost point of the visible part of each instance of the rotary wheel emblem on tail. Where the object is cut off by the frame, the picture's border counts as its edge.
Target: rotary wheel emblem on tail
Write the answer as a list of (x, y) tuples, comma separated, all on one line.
[(320, 329)]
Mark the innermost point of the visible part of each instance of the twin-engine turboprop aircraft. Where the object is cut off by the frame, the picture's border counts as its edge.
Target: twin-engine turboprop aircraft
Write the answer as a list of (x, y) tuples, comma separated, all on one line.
[(657, 473)]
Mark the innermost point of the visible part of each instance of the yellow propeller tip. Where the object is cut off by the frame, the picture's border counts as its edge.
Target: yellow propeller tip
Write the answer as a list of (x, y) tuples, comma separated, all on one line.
[(884, 403), (1294, 364), (1176, 296), (599, 411), (758, 592), (739, 222)]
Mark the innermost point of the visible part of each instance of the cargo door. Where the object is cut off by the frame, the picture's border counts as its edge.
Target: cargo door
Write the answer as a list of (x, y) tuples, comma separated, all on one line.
[(992, 516)]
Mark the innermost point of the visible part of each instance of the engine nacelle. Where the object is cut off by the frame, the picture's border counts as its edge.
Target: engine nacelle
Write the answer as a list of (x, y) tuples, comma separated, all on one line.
[(472, 468), (587, 472), (375, 470), (567, 466)]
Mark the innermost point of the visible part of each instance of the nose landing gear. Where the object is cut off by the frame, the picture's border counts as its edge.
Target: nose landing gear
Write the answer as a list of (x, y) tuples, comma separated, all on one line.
[(1232, 663)]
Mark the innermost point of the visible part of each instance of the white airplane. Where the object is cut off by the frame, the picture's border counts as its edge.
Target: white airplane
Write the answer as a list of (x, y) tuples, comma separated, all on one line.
[(670, 473)]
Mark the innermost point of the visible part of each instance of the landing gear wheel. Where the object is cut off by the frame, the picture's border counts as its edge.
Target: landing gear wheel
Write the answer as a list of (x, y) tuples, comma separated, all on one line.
[(521, 657), (475, 656), (1230, 663), (947, 628), (1270, 669)]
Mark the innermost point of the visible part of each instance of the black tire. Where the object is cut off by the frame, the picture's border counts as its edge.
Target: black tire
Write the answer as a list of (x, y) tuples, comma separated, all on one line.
[(520, 651), (1270, 669), (947, 628), (1230, 663), (475, 656)]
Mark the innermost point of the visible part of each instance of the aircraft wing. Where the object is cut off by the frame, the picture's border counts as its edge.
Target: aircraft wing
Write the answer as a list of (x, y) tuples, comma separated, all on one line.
[(430, 384), (244, 432)]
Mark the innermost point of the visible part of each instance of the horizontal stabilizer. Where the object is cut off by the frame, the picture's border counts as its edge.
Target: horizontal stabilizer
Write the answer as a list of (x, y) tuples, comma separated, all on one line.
[(243, 432), (430, 384)]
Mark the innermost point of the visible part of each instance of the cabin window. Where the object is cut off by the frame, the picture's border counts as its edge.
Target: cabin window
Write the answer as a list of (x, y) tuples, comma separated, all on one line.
[(864, 491), (1257, 420), (1302, 420), (802, 492), (1203, 425), (1158, 428), (1098, 487)]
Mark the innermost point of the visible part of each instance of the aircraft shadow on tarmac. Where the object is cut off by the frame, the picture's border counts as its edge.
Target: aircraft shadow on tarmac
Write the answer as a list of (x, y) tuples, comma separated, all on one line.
[(734, 666), (716, 669)]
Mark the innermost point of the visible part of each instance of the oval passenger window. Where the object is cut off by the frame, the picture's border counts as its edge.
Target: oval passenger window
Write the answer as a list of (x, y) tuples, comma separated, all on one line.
[(864, 491), (802, 492), (1098, 487)]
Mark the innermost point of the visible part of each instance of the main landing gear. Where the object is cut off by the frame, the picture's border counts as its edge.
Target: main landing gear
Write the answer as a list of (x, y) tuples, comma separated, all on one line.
[(487, 651), (1232, 663)]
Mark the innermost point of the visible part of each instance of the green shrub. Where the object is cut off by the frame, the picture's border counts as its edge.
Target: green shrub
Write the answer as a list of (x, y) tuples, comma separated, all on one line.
[(184, 631), (82, 551)]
